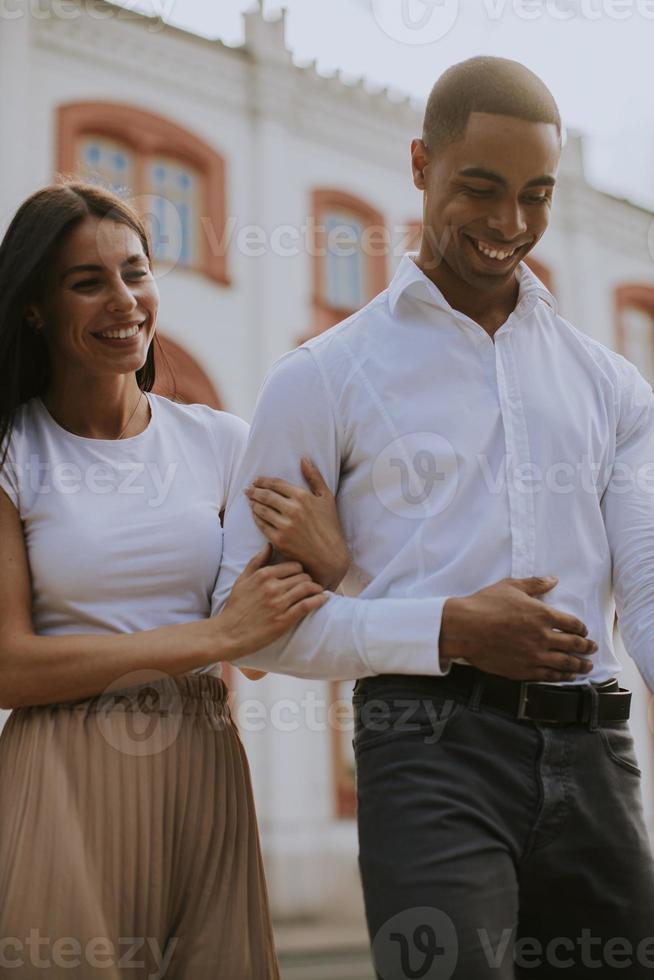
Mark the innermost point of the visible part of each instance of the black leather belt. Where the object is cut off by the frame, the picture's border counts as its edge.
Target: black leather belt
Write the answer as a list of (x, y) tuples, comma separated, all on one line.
[(535, 701)]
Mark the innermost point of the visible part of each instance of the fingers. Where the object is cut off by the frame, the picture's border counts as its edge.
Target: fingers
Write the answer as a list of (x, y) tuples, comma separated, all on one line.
[(567, 623), (304, 607), (284, 570), (313, 476), (259, 560), (269, 498), (302, 591), (281, 487), (572, 643), (566, 663), (270, 516), (535, 585), (267, 529)]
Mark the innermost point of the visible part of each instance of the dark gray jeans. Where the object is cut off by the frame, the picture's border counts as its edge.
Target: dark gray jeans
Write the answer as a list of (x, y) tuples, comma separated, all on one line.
[(493, 848)]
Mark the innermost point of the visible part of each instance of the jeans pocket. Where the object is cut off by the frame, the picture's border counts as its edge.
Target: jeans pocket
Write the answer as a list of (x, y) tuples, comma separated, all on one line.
[(389, 719), (619, 746)]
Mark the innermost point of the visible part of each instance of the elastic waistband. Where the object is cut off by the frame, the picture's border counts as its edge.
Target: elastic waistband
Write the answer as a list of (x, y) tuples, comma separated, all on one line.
[(188, 694)]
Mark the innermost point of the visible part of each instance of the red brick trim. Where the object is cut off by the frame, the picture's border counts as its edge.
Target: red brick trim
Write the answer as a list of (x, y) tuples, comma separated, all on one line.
[(322, 201), (148, 134), (179, 376)]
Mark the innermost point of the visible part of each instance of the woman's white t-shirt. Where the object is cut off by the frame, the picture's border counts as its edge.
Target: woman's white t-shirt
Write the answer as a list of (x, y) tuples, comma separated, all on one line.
[(123, 535)]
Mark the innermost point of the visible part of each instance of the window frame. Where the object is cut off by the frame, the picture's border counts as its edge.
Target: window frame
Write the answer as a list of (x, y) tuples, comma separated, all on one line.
[(323, 201), (148, 135)]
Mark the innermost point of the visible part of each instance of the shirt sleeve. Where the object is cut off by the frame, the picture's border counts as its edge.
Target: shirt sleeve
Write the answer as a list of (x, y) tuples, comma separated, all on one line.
[(348, 637), (229, 436), (9, 473), (628, 510)]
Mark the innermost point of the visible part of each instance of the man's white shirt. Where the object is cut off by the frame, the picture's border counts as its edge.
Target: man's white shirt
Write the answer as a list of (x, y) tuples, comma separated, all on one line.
[(458, 459)]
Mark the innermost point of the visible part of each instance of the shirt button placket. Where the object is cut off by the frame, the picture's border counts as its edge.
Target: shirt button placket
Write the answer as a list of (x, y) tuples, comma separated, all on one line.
[(517, 452)]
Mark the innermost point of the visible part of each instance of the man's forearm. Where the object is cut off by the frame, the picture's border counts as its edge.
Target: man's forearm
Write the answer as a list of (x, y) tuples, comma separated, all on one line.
[(350, 637)]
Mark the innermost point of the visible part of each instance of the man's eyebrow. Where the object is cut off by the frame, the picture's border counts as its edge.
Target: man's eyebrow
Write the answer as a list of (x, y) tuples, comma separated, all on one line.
[(132, 260), (545, 180)]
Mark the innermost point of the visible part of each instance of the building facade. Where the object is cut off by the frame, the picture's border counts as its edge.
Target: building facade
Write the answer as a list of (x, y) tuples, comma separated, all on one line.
[(280, 201)]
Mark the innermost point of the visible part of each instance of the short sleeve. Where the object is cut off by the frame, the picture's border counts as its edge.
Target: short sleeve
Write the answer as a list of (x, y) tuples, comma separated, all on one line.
[(229, 436), (9, 470)]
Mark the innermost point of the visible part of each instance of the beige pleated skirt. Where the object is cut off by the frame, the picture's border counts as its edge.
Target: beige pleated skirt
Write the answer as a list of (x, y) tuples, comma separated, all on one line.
[(128, 839)]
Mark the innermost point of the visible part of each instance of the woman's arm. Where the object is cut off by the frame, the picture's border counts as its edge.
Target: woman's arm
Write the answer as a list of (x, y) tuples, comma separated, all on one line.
[(265, 602), (303, 524)]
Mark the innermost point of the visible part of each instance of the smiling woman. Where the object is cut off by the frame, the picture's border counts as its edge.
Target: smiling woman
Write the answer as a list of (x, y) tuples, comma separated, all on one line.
[(51, 311), (110, 545)]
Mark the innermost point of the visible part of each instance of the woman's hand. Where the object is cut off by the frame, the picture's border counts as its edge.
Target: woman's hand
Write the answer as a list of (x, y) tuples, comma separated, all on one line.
[(265, 602), (303, 524)]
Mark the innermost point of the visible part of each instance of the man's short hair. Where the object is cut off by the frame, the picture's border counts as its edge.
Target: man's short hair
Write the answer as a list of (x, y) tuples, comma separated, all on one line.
[(485, 84)]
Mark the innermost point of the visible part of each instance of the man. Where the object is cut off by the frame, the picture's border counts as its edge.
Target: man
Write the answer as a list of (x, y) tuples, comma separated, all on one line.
[(477, 441)]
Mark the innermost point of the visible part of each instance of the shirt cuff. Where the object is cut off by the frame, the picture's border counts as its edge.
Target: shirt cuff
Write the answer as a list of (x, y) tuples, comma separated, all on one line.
[(401, 636)]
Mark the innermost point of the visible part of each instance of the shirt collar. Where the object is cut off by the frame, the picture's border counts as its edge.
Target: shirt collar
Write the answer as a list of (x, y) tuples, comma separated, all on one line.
[(410, 279)]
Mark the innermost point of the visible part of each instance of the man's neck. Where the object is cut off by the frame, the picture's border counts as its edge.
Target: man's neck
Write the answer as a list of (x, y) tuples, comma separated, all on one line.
[(490, 308)]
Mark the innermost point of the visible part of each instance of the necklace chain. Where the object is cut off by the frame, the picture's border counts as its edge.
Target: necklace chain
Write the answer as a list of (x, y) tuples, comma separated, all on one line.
[(131, 416)]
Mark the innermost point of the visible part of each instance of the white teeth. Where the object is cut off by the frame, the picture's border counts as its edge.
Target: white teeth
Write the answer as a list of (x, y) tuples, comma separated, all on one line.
[(493, 253), (121, 334)]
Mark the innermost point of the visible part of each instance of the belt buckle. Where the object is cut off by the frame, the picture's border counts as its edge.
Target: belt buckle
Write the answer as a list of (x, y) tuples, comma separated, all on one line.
[(523, 698)]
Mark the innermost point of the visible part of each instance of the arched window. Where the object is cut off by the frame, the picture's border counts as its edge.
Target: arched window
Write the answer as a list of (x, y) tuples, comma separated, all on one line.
[(634, 308), (180, 377), (177, 179), (349, 250), (110, 162)]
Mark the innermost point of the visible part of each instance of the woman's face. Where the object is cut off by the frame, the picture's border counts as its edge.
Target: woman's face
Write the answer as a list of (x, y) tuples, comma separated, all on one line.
[(100, 308)]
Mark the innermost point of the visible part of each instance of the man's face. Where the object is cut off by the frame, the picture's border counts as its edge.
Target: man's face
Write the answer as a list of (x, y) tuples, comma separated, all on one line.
[(489, 192)]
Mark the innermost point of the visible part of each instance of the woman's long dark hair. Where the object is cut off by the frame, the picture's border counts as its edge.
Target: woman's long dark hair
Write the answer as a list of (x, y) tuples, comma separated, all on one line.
[(27, 252)]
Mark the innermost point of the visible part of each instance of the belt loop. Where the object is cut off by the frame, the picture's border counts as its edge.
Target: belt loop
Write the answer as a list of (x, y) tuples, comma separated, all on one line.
[(477, 691), (593, 723)]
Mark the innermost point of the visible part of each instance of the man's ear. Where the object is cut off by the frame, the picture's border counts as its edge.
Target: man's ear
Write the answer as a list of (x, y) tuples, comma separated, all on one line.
[(419, 161)]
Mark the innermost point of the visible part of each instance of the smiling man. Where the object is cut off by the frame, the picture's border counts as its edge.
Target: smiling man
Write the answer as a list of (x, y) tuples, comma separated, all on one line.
[(476, 441)]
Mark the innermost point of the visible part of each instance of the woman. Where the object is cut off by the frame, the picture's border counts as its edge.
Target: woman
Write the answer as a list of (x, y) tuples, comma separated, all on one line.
[(128, 838)]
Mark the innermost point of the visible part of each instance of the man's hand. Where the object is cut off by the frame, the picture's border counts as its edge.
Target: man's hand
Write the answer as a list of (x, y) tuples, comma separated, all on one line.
[(505, 629)]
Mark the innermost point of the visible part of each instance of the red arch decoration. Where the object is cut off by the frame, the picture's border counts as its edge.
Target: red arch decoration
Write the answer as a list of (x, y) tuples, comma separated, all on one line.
[(148, 134), (323, 200), (179, 376)]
